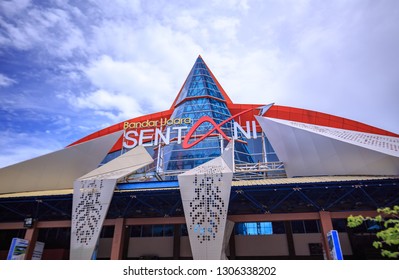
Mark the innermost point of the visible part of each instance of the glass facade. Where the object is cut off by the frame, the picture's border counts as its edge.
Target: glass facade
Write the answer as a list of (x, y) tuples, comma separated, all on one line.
[(254, 228), (151, 231), (200, 97), (306, 226), (259, 228)]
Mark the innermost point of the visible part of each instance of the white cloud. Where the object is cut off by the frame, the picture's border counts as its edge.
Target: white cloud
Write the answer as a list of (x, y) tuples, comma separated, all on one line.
[(50, 30), (232, 4), (11, 8), (116, 107), (6, 81), (148, 63), (143, 82), (256, 77), (117, 9), (186, 22), (226, 26)]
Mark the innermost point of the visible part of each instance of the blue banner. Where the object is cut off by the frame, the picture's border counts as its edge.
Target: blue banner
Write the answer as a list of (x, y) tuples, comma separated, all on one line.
[(17, 249), (334, 245)]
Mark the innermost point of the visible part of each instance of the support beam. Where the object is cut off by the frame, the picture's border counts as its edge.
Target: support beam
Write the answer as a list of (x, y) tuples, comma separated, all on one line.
[(176, 241), (180, 220), (344, 215), (232, 245), (54, 224), (226, 238), (11, 225), (155, 221), (118, 239), (274, 217), (290, 239), (31, 235), (326, 226), (126, 241)]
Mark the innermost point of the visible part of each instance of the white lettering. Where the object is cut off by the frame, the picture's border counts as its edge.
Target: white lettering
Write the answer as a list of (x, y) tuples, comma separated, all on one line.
[(143, 137), (160, 136), (247, 133), (254, 134), (154, 136), (128, 138), (179, 129)]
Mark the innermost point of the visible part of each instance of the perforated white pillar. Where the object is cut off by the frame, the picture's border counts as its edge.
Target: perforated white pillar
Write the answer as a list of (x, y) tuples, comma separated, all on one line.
[(92, 195), (205, 192), (90, 206)]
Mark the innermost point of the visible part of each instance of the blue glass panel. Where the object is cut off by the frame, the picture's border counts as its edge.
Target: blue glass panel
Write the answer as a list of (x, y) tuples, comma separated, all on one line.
[(201, 84), (270, 153), (254, 228)]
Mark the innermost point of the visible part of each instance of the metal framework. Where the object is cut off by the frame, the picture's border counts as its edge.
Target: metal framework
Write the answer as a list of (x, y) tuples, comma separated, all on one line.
[(162, 199)]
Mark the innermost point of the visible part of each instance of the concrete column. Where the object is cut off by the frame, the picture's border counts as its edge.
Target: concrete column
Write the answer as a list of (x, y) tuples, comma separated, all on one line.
[(31, 235), (117, 241), (232, 245), (176, 242), (326, 226), (290, 239)]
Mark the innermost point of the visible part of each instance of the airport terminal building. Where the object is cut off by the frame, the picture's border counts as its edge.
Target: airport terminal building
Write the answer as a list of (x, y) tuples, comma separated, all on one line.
[(205, 179)]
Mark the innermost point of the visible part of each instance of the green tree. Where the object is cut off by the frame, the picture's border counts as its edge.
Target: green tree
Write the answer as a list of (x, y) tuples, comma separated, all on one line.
[(389, 235)]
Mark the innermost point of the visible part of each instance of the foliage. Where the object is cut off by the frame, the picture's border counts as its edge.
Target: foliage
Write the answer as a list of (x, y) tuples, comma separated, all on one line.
[(389, 236)]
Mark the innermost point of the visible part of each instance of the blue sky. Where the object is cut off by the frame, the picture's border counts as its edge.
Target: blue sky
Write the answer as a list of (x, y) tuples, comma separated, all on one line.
[(69, 68)]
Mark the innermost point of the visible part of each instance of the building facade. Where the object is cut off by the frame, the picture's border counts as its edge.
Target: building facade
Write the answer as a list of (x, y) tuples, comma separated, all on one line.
[(205, 179)]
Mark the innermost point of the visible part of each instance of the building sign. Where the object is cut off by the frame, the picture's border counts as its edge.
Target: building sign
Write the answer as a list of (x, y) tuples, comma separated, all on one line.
[(153, 133), (151, 136), (247, 133), (162, 122), (38, 251)]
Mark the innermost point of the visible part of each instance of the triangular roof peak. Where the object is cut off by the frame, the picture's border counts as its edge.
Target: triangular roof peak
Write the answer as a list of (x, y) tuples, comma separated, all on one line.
[(180, 98)]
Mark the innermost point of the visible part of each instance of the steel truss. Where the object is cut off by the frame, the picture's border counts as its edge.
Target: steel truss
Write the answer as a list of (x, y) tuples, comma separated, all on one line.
[(162, 199)]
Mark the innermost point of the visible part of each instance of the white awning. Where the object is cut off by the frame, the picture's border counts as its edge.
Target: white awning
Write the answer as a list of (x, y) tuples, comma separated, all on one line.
[(57, 170)]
